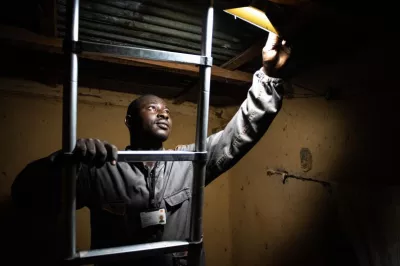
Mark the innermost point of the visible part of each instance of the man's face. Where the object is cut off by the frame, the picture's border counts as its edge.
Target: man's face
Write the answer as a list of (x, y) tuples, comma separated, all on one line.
[(154, 118)]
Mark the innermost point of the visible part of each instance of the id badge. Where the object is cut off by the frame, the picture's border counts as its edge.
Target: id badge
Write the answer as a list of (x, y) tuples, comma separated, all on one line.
[(151, 218)]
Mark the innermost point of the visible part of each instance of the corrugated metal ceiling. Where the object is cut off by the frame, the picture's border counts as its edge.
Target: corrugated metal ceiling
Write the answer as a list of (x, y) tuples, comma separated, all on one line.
[(155, 25)]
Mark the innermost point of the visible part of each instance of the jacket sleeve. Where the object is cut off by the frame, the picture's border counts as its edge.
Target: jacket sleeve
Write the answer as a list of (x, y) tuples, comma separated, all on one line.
[(251, 121), (39, 185)]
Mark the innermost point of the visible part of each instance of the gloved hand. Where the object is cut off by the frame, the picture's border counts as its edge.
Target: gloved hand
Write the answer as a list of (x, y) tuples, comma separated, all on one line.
[(275, 55), (94, 152)]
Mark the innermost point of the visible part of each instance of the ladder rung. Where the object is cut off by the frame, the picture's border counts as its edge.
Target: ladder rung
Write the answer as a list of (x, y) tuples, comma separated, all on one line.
[(140, 156), (129, 252), (144, 53)]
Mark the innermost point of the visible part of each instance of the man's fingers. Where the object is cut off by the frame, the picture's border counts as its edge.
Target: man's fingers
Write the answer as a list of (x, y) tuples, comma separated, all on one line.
[(90, 152), (271, 49), (275, 54), (270, 56), (273, 42), (95, 152), (101, 153), (80, 149), (112, 153)]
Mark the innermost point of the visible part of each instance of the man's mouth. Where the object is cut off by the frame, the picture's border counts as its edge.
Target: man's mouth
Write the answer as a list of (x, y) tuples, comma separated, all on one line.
[(163, 125)]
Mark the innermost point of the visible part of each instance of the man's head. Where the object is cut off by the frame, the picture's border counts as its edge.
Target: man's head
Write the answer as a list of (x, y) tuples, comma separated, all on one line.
[(148, 117)]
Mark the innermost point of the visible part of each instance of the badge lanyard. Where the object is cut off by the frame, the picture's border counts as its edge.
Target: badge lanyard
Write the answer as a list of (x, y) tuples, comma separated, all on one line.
[(152, 190), (154, 216)]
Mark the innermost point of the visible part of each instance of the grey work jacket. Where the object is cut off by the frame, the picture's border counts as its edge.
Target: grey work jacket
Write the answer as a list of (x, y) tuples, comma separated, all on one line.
[(117, 194)]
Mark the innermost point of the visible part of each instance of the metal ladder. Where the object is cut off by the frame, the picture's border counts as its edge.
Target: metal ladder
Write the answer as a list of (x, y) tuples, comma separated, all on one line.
[(72, 47)]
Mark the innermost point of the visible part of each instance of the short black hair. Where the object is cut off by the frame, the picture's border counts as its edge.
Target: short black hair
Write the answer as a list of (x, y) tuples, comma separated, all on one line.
[(135, 104)]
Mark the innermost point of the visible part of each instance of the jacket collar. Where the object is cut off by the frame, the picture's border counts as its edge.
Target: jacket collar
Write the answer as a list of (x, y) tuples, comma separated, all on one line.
[(141, 165)]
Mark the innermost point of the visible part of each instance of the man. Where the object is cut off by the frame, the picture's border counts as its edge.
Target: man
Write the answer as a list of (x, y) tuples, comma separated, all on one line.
[(120, 195)]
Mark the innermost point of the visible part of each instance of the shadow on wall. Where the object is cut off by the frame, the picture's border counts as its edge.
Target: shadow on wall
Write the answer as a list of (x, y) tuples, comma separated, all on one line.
[(355, 55), (354, 141), (368, 172), (325, 243), (366, 169), (284, 225)]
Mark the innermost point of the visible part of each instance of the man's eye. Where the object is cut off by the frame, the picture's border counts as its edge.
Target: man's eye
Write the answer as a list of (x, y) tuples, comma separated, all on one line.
[(152, 108), (167, 111)]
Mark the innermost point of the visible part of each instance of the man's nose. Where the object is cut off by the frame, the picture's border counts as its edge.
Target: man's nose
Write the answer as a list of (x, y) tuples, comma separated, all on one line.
[(163, 114)]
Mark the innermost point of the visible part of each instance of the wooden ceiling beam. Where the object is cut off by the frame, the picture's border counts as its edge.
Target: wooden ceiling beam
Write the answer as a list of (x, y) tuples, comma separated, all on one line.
[(245, 57), (26, 39), (234, 63)]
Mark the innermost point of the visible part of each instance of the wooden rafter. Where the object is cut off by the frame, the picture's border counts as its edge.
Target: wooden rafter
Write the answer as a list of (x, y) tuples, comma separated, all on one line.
[(248, 55), (24, 38), (234, 63)]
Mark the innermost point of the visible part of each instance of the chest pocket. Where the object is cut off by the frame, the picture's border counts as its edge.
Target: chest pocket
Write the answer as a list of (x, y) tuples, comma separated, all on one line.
[(174, 201)]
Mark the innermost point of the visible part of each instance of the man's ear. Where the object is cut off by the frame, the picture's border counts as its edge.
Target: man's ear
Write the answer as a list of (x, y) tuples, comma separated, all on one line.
[(128, 121)]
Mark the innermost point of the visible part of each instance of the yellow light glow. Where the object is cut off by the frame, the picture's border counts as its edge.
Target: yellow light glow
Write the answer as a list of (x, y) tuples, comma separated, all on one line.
[(253, 16)]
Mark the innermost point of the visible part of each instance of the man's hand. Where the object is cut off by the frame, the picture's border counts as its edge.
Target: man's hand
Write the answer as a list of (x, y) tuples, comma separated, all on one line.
[(275, 55), (94, 152)]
